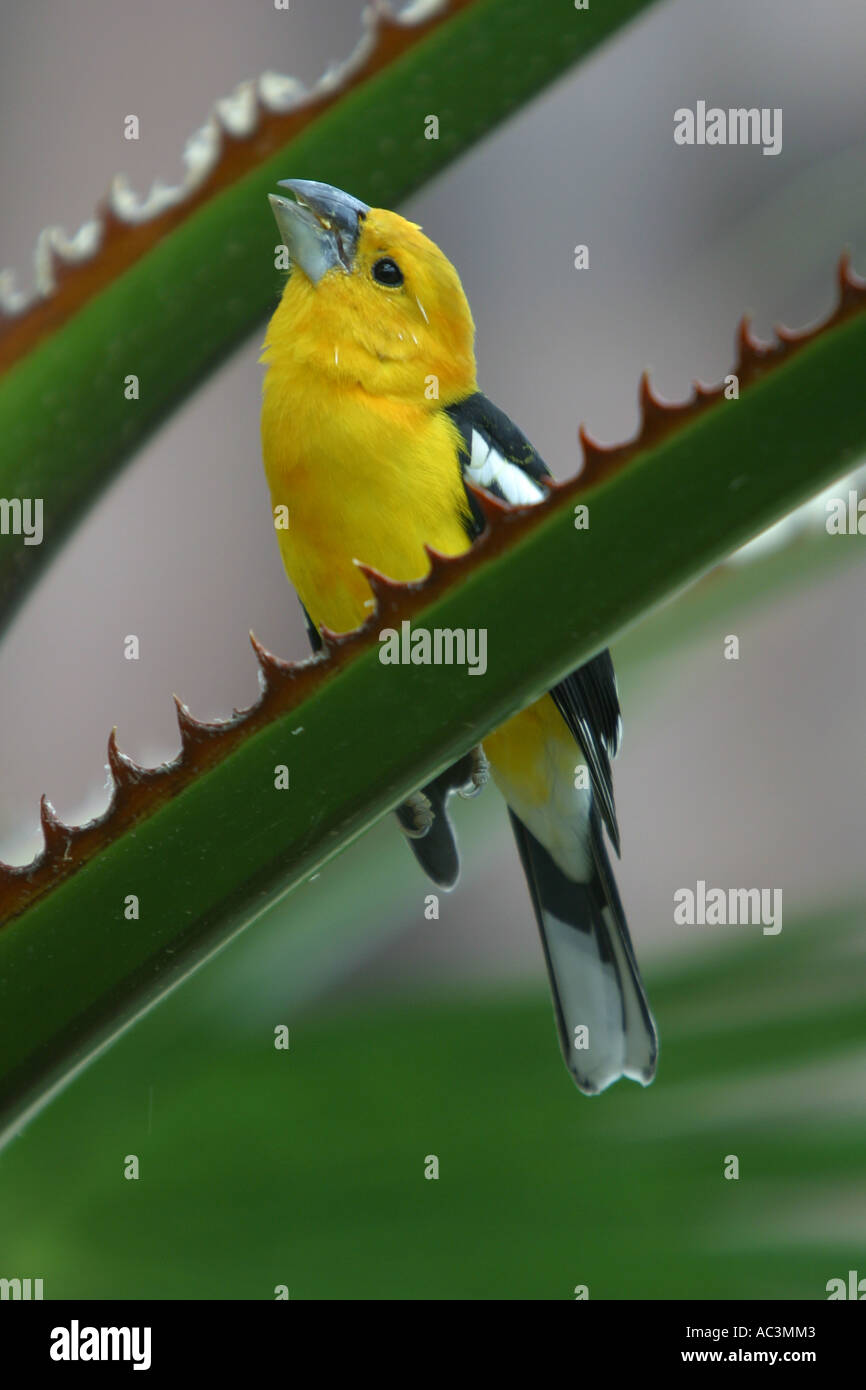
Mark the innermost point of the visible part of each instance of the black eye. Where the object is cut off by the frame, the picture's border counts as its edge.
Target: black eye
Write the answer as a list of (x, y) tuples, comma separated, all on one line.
[(387, 272)]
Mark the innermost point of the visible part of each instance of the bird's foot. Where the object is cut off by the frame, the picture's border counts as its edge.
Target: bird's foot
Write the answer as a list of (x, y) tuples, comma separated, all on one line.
[(479, 773), (415, 815)]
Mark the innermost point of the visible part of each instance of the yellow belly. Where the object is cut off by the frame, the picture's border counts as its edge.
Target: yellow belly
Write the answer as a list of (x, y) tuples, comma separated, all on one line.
[(534, 760), (319, 551), (531, 750), (373, 482)]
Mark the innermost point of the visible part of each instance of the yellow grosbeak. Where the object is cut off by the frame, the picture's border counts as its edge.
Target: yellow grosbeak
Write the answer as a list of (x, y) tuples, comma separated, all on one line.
[(372, 465)]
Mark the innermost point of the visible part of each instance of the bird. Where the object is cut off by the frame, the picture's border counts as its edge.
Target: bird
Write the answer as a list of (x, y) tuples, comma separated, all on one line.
[(372, 425)]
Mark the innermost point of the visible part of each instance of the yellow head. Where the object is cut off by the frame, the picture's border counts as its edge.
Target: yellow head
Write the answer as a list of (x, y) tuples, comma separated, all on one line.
[(370, 302)]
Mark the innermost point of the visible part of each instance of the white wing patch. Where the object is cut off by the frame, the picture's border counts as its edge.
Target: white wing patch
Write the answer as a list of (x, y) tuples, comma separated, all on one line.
[(487, 468)]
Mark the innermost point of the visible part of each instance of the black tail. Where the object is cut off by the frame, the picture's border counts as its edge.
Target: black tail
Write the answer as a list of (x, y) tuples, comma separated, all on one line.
[(605, 1026)]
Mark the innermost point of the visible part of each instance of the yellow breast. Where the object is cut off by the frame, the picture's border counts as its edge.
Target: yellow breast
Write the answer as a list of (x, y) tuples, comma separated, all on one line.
[(363, 478)]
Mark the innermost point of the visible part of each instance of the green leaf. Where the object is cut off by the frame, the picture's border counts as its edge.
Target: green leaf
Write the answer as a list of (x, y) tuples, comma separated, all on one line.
[(180, 305), (205, 862)]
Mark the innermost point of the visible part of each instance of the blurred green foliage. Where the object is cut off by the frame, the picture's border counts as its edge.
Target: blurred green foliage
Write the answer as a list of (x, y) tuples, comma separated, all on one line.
[(306, 1168)]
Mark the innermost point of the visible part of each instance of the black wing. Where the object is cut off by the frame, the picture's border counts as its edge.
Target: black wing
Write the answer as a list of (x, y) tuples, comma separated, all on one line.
[(312, 631), (497, 456), (589, 703)]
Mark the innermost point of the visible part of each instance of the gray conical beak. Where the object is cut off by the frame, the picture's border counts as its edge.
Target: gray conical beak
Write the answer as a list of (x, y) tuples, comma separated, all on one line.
[(319, 225)]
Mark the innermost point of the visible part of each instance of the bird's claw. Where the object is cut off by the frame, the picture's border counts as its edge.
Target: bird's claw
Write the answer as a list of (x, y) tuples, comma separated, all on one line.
[(479, 775), (416, 815)]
